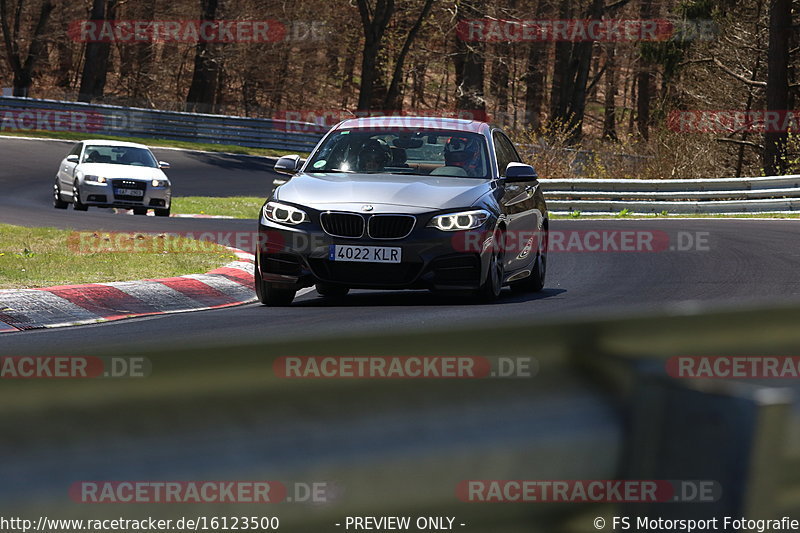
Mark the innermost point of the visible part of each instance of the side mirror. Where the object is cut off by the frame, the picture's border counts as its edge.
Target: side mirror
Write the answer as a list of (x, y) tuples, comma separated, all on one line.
[(288, 164), (163, 164), (520, 172), (72, 159)]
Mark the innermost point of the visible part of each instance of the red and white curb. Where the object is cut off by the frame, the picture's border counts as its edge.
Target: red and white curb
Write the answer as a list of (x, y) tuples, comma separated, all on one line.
[(71, 305)]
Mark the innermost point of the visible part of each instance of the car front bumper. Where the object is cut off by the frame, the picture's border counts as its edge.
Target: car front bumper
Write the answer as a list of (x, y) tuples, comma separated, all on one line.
[(297, 258), (104, 196)]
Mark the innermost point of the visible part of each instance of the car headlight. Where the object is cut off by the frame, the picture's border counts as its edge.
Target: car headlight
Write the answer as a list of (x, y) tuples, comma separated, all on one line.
[(97, 180), (284, 214), (159, 183), (459, 221)]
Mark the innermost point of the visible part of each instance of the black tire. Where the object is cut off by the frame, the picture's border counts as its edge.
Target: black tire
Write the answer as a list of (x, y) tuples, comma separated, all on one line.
[(269, 295), (332, 291), (139, 210), (58, 203), (162, 212), (76, 199), (489, 291), (535, 282)]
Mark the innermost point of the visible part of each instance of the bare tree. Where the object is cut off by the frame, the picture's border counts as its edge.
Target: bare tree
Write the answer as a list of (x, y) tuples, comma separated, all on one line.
[(374, 19), (95, 63), (203, 89), (23, 68), (470, 62), (644, 80), (394, 96), (780, 23), (610, 107), (535, 73)]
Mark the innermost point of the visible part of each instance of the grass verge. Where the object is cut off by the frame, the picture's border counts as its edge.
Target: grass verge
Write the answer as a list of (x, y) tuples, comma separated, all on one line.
[(231, 206), (43, 257), (248, 206), (208, 147)]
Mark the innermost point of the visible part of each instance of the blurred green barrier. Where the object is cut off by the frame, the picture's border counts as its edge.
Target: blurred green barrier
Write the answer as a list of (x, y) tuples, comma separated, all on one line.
[(598, 407)]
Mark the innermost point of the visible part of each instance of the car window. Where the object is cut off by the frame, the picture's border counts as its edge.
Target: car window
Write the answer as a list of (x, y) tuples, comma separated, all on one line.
[(504, 151), (403, 151), (76, 150), (119, 155)]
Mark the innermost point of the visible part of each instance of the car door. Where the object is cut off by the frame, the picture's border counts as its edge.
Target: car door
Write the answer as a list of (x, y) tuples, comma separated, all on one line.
[(519, 207), (66, 170)]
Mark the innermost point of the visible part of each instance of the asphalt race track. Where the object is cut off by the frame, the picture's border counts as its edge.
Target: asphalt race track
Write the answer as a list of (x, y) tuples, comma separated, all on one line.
[(738, 262)]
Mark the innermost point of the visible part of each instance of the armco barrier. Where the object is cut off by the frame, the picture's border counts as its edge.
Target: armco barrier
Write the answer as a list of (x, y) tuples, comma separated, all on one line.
[(601, 406), (701, 196), (681, 196), (23, 114)]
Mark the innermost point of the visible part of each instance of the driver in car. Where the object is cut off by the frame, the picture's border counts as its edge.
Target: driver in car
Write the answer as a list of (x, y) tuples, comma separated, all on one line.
[(465, 153), (373, 156)]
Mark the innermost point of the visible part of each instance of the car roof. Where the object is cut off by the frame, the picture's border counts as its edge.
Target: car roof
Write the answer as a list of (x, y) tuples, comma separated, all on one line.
[(106, 142), (417, 122)]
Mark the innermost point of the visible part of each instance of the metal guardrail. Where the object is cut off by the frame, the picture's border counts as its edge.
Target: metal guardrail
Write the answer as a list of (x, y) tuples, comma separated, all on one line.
[(702, 196), (682, 196), (24, 114), (600, 407)]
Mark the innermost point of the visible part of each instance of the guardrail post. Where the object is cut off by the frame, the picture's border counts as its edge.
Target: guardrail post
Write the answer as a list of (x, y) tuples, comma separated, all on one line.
[(731, 433)]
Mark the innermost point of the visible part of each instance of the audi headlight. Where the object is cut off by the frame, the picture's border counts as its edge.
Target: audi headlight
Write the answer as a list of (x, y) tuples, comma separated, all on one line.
[(284, 214), (459, 221), (159, 183), (95, 180)]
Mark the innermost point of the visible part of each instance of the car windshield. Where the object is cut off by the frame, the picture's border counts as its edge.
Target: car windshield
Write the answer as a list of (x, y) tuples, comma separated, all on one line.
[(119, 155), (396, 151)]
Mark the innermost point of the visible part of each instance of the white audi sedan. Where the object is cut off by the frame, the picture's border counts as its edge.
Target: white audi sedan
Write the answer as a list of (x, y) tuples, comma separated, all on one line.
[(101, 173)]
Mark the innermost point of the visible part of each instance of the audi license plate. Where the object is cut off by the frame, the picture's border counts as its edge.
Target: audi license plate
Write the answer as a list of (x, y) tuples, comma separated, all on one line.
[(128, 192), (365, 254)]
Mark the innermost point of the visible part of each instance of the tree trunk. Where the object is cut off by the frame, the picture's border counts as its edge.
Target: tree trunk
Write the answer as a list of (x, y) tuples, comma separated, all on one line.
[(23, 70), (777, 96), (374, 22), (535, 85), (349, 72), (535, 74), (499, 81), (582, 64), (561, 67), (95, 64), (469, 61), (643, 81), (203, 90), (394, 96), (610, 107)]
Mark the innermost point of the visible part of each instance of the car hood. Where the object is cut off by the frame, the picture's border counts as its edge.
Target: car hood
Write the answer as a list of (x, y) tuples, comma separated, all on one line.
[(111, 171), (336, 190)]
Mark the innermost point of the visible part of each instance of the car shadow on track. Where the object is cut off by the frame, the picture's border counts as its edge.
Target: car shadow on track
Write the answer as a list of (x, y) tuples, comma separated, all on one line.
[(420, 299), (235, 161)]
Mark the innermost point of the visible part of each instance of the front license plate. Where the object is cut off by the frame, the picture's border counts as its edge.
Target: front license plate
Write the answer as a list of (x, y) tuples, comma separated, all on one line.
[(128, 192), (364, 254)]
